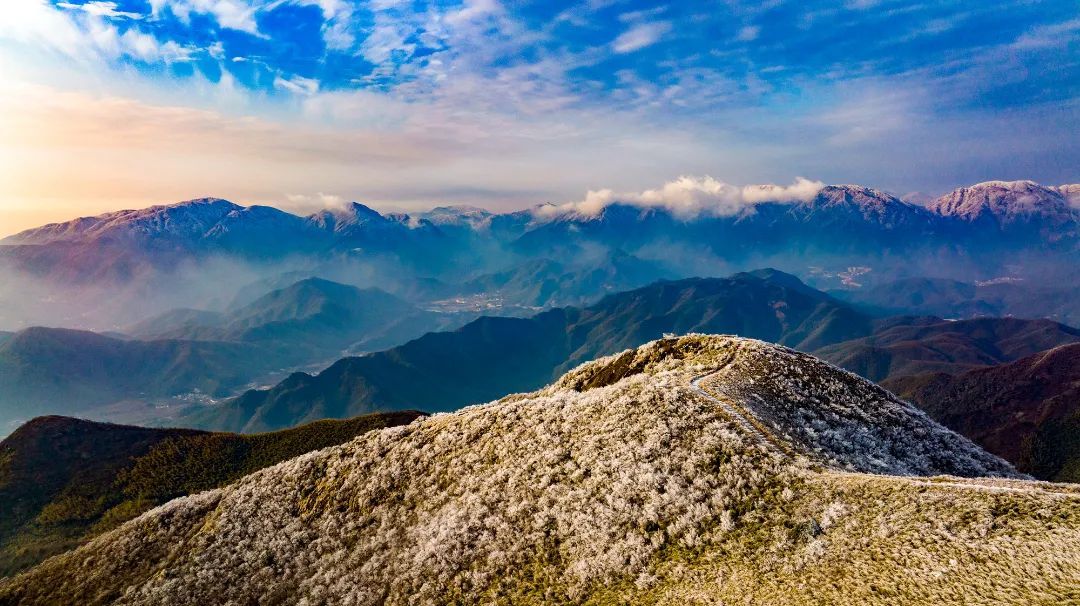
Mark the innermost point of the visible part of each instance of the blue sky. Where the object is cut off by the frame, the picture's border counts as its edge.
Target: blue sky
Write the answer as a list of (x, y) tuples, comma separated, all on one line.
[(505, 104)]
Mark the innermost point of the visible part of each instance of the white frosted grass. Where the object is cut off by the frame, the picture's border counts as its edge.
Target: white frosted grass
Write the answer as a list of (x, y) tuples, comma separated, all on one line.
[(551, 494)]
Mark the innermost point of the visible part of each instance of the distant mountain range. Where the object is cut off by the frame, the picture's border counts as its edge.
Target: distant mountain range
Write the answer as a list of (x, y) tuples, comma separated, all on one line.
[(105, 272), (184, 365), (493, 355), (1008, 207), (689, 470), (991, 230), (636, 433), (53, 370), (315, 316), (185, 356), (447, 370), (1036, 296), (902, 346), (64, 481)]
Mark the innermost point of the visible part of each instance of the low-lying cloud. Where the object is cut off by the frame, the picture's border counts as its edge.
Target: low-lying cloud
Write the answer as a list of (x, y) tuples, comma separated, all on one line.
[(688, 197)]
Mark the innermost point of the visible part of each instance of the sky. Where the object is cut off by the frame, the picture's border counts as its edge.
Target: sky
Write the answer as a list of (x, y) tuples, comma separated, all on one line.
[(406, 105)]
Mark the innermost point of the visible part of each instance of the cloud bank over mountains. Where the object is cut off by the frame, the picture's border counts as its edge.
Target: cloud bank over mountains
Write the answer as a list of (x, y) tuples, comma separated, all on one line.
[(688, 197)]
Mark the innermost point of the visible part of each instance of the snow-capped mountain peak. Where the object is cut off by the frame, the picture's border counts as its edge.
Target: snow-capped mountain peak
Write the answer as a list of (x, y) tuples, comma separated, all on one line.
[(1004, 201), (1071, 193), (188, 218), (352, 215), (470, 216), (872, 205)]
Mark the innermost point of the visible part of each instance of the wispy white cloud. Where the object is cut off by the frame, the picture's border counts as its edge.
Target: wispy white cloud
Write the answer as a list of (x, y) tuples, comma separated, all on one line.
[(1048, 36), (101, 9), (297, 84), (640, 36), (509, 93), (86, 33), (38, 24), (873, 112), (748, 33), (688, 197), (309, 203), (473, 10), (231, 14)]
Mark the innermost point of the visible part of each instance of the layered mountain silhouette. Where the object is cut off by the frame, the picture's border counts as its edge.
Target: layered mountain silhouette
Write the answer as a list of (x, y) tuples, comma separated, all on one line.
[(444, 371), (994, 216), (52, 370), (49, 371), (1017, 242), (1027, 411), (492, 355), (1035, 296), (201, 354), (689, 469), (907, 346), (312, 314)]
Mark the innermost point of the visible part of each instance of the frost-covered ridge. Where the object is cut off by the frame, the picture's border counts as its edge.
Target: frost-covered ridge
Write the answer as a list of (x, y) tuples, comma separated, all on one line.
[(601, 482), (844, 421)]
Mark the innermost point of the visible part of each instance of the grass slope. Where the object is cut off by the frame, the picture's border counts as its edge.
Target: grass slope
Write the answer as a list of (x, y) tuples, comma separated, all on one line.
[(64, 480), (619, 483)]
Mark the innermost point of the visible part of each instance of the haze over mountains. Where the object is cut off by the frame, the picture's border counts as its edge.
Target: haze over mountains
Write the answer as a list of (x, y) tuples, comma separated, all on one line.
[(199, 284), (438, 303), (182, 380), (316, 316), (190, 357), (181, 255), (492, 356)]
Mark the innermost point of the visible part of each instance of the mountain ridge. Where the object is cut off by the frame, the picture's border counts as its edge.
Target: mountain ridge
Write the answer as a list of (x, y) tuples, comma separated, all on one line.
[(492, 355), (1027, 410), (618, 480), (1005, 200)]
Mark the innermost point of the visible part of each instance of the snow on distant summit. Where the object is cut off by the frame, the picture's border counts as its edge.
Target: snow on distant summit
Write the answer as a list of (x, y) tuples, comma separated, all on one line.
[(191, 217), (470, 216), (804, 211), (1005, 202), (350, 216), (875, 206), (1071, 193)]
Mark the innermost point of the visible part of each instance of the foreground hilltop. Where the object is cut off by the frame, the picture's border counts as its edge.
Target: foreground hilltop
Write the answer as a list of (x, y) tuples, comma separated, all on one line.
[(690, 470)]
